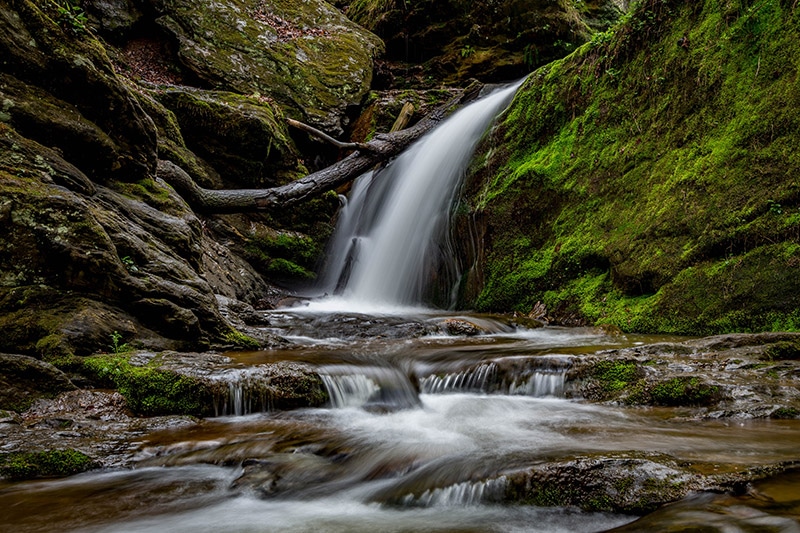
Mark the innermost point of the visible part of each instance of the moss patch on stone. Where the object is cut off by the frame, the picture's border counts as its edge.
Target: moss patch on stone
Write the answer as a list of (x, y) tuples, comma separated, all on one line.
[(52, 463), (150, 390)]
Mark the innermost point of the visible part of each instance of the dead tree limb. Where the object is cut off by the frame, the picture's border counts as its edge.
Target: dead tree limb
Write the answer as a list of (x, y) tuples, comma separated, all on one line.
[(380, 149), (327, 138)]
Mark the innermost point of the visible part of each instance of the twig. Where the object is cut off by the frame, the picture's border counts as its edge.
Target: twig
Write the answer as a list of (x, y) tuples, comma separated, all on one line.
[(327, 138)]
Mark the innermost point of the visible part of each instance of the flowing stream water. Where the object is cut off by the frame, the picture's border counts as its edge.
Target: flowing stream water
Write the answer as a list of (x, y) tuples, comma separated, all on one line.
[(423, 428)]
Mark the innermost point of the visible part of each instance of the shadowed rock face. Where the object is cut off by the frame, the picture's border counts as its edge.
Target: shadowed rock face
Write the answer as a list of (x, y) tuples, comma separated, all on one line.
[(304, 54)]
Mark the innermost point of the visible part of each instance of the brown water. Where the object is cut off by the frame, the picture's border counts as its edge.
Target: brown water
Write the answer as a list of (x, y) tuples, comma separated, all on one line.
[(413, 442)]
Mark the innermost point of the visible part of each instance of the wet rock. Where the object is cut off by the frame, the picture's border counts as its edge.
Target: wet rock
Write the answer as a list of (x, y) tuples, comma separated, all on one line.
[(23, 379), (305, 55), (286, 472), (743, 376), (113, 18), (460, 326), (625, 482)]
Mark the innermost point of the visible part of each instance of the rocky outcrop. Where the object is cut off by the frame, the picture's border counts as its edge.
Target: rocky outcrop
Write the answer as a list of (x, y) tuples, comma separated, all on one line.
[(305, 55), (491, 41), (24, 379), (632, 184)]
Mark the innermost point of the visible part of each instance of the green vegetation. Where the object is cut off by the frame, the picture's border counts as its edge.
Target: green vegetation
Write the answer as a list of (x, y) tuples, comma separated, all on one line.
[(615, 375), (71, 17), (284, 256), (683, 391), (150, 390), (116, 347), (53, 463), (652, 176), (240, 339)]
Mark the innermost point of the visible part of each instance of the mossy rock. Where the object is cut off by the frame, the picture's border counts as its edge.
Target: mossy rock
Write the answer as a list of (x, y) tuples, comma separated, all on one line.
[(150, 390), (67, 67), (244, 138), (303, 54), (19, 466), (641, 180), (491, 41)]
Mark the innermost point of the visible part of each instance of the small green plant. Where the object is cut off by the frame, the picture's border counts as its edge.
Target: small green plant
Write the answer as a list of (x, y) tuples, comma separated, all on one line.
[(71, 17), (116, 347), (530, 56), (467, 50), (129, 264), (774, 207)]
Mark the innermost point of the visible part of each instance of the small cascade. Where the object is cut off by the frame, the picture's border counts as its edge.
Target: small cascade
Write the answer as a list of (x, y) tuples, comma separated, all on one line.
[(460, 494), (541, 384), (369, 386), (475, 379), (349, 390), (523, 376), (242, 392)]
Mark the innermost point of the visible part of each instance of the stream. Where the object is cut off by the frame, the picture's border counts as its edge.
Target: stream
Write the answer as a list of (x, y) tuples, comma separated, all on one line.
[(411, 441)]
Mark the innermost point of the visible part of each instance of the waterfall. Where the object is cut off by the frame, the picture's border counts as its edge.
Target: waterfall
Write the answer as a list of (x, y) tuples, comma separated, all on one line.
[(387, 242), (369, 386), (460, 494)]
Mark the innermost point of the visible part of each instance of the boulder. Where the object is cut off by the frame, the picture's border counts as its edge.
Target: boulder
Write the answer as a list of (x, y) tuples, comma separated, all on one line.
[(24, 379), (304, 54)]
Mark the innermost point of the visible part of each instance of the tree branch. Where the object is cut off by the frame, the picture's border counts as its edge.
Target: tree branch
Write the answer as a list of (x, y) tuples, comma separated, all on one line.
[(381, 148)]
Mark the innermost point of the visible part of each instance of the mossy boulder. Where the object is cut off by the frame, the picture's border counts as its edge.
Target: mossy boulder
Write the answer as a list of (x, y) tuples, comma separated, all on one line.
[(649, 180), (303, 54), (72, 84), (245, 139), (492, 41), (23, 379)]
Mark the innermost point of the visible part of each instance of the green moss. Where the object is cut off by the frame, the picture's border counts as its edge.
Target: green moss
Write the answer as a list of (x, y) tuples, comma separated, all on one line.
[(240, 339), (615, 375), (284, 256), (783, 350), (651, 179), (684, 391), (150, 390), (52, 463), (784, 413)]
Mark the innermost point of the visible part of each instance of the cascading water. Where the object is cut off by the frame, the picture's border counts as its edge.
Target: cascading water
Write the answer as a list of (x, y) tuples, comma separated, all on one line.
[(386, 244)]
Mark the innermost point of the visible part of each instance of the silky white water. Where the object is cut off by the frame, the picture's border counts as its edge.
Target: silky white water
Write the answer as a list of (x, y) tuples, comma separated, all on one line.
[(391, 234)]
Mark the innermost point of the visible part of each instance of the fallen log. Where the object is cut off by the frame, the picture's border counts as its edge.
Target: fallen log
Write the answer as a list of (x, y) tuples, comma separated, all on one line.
[(366, 156)]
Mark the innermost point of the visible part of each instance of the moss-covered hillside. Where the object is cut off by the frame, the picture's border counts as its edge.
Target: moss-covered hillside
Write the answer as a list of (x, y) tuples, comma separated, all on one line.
[(651, 179)]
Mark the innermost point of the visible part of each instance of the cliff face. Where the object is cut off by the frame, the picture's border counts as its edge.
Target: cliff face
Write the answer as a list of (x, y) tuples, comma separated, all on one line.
[(93, 242), (651, 179)]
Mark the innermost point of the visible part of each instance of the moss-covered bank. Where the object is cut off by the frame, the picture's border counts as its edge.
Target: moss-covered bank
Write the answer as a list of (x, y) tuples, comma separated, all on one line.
[(651, 180)]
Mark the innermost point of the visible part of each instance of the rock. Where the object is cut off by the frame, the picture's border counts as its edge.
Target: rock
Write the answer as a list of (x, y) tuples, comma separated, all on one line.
[(23, 379), (304, 54), (460, 326), (244, 138), (492, 41), (623, 482), (69, 65), (112, 18), (720, 376)]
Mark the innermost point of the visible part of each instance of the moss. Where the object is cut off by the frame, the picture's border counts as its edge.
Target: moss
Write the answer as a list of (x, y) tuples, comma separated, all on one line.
[(284, 256), (684, 391), (615, 375), (651, 179), (240, 339), (52, 463), (784, 413), (150, 390), (783, 350)]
